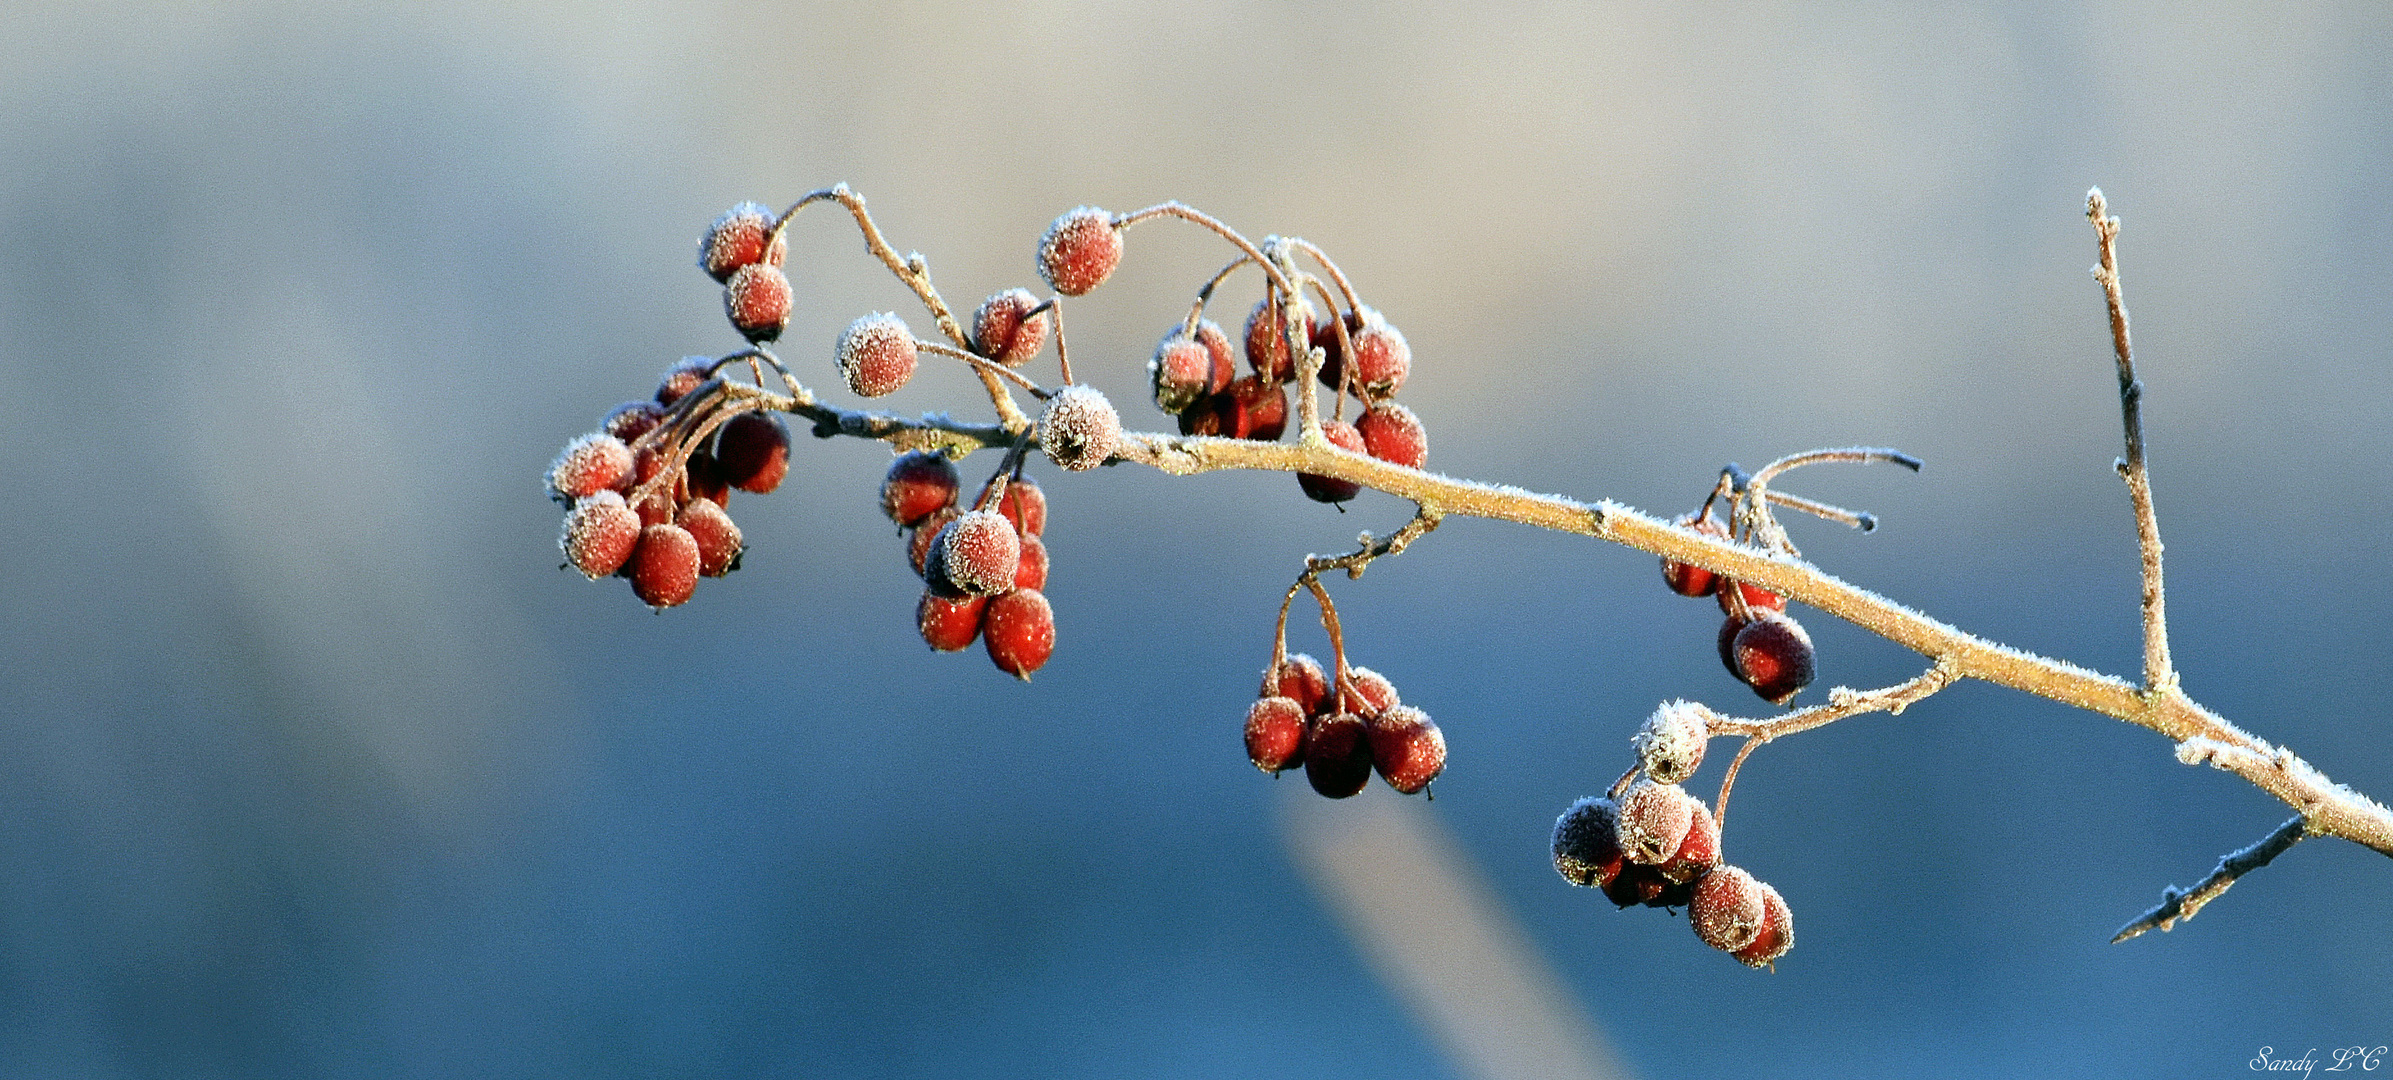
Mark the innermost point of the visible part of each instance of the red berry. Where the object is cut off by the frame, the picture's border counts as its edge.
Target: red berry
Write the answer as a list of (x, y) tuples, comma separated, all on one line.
[(1727, 642), (1217, 348), (1206, 417), (1670, 743), (1382, 359), (757, 301), (1638, 884), (718, 540), (1407, 748), (1777, 934), (1024, 505), (1079, 429), (588, 465), (920, 483), (599, 534), (703, 475), (1020, 632), (1182, 372), (876, 354), (1301, 679), (977, 554), (633, 419), (752, 450), (683, 377), (737, 239), (1727, 908), (1654, 819), (949, 625), (1266, 344), (1254, 408), (656, 509), (1773, 656), (1700, 851), (1373, 693), (1688, 579), (1032, 574), (664, 567), (1587, 842), (1338, 754), (1330, 489), (1756, 597), (1002, 334), (918, 545), (1079, 251), (1392, 433), (1275, 734)]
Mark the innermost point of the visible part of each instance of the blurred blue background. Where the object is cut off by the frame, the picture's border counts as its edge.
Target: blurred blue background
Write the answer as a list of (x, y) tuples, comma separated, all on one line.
[(317, 767)]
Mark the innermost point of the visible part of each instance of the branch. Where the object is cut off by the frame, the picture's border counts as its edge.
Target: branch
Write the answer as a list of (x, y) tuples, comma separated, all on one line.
[(2178, 905), (2158, 674), (1842, 703)]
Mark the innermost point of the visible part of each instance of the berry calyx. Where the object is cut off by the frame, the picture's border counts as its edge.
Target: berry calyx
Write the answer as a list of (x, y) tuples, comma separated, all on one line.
[(757, 301), (1267, 344), (948, 624), (752, 452), (738, 239), (920, 483), (1670, 743), (1777, 933), (1392, 433), (1654, 819), (1275, 733), (1025, 505), (1300, 679), (1407, 748), (1688, 579), (1330, 489), (1079, 428), (718, 539), (1727, 908), (1338, 754), (976, 555), (876, 354), (1587, 842), (599, 534), (1773, 655), (1000, 331), (1019, 629), (664, 567), (588, 465), (1079, 251)]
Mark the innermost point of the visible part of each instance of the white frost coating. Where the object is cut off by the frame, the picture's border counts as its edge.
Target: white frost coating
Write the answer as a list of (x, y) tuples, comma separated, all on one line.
[(2200, 751), (1671, 741), (1080, 429), (876, 354)]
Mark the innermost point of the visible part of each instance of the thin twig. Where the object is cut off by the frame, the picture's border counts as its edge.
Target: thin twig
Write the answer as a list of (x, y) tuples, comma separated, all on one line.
[(2178, 905), (1425, 519), (2159, 675), (1842, 703)]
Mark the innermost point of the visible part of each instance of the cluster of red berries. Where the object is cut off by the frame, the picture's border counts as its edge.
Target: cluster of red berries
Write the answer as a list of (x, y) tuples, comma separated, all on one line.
[(1658, 846), (744, 249), (1341, 732), (627, 517), (1762, 645), (983, 569)]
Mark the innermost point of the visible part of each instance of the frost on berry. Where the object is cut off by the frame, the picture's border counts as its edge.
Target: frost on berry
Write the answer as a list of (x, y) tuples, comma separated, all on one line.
[(1670, 743), (1587, 842), (920, 483), (752, 450), (1338, 754), (1267, 344), (756, 299), (1654, 819), (1773, 655), (1392, 433), (918, 545), (1330, 489), (664, 567), (1032, 573), (1407, 748), (949, 625), (685, 375), (1275, 733), (1373, 692), (1700, 851), (1182, 372), (1301, 679), (876, 354), (1079, 251), (633, 419), (588, 465), (599, 534), (1688, 579), (718, 539), (1019, 629), (1002, 334), (1079, 428), (1777, 934), (976, 554), (1025, 505), (1727, 908), (737, 239), (1381, 357)]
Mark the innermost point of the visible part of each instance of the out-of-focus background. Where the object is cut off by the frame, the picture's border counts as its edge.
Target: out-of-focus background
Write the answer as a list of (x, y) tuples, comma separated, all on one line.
[(316, 766)]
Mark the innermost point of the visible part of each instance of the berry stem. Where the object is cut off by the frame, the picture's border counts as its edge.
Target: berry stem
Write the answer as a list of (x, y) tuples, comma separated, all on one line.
[(2159, 675), (1204, 295), (983, 365), (1842, 703), (1332, 269), (1424, 521)]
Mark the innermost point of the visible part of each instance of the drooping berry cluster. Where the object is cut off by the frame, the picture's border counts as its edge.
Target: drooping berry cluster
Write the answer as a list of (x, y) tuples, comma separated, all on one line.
[(1341, 732), (1652, 843), (984, 570), (1760, 644)]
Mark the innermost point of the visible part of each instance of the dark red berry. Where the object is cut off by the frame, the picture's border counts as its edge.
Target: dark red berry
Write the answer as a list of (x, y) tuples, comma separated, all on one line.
[(1181, 372), (949, 625), (1670, 743), (1407, 748), (1032, 573), (1025, 505), (599, 534), (1254, 408), (1301, 679), (757, 301), (1688, 579), (1338, 754), (1773, 656), (1639, 884), (752, 450), (1373, 694), (687, 375), (718, 539), (703, 475), (1727, 908), (1001, 332), (1079, 428), (1079, 251), (1700, 851), (1392, 433), (1275, 734), (1020, 631), (1205, 417), (876, 354), (588, 465), (647, 465), (633, 419), (977, 554), (1587, 842), (1756, 597), (1654, 819), (1777, 934), (1727, 642), (920, 483), (664, 567), (1329, 489), (1266, 344), (737, 239), (918, 545)]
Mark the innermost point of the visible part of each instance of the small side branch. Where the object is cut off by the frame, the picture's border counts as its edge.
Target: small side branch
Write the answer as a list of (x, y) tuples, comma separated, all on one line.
[(2178, 905), (1842, 703), (1424, 520), (2159, 675)]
